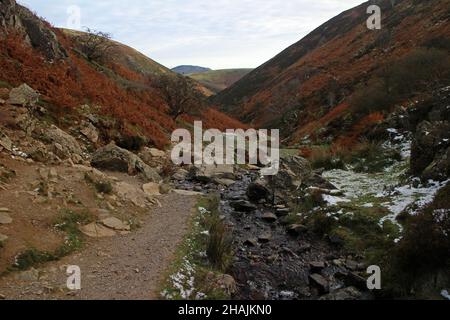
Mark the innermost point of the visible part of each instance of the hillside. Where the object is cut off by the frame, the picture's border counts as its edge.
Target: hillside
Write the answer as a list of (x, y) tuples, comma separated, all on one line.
[(307, 89), (50, 61), (185, 70), (218, 80)]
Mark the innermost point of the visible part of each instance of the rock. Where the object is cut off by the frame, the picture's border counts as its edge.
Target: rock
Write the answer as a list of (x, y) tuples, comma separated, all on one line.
[(5, 142), (269, 217), (131, 193), (297, 229), (224, 182), (95, 230), (206, 173), (265, 237), (5, 218), (257, 191), (3, 238), (320, 282), (90, 132), (112, 157), (243, 206), (187, 193), (252, 242), (316, 266), (180, 175), (24, 96), (115, 224), (156, 153), (345, 294), (354, 265), (4, 210), (151, 189), (430, 150), (64, 145)]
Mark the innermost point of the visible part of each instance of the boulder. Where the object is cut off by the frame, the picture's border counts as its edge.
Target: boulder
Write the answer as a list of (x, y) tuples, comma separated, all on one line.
[(115, 224), (430, 144), (153, 157), (95, 230), (151, 189), (269, 217), (257, 191), (180, 175), (112, 157), (297, 229), (320, 282), (131, 193), (90, 132), (224, 182), (3, 239), (439, 169), (24, 96), (5, 142), (64, 145), (243, 206)]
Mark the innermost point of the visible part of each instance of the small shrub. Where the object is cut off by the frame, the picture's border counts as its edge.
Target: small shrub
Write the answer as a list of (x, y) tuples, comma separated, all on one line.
[(104, 187), (324, 157), (32, 257)]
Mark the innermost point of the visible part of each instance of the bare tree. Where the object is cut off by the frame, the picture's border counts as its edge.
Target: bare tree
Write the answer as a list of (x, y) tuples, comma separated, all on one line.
[(180, 94), (96, 44)]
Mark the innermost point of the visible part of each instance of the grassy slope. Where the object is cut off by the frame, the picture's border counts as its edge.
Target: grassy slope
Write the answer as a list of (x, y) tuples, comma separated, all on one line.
[(218, 80)]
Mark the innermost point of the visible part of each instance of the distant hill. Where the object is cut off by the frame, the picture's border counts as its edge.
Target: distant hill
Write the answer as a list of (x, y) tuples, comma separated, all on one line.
[(185, 70), (218, 80)]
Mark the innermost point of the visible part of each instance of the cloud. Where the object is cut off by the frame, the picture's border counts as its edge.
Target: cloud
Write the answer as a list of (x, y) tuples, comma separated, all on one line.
[(217, 34)]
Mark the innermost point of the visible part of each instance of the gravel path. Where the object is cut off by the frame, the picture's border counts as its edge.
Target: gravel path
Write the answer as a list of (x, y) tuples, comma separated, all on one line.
[(123, 267)]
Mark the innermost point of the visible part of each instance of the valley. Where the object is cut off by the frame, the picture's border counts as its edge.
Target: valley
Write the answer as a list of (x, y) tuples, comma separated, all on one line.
[(88, 179)]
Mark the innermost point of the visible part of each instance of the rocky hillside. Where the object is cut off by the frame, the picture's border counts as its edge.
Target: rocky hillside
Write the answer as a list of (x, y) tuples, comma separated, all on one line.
[(316, 88), (218, 80), (52, 62)]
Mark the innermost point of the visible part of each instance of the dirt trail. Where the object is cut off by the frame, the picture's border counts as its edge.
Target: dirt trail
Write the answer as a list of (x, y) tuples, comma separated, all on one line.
[(123, 267)]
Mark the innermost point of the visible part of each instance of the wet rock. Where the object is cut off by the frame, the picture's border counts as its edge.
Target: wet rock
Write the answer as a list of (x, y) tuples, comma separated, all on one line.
[(269, 217), (257, 191), (115, 224), (316, 266), (24, 96), (5, 218), (243, 206), (320, 282), (151, 189), (95, 230), (345, 294)]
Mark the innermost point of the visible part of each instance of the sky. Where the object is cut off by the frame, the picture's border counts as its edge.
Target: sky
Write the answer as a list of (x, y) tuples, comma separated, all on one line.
[(218, 34)]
